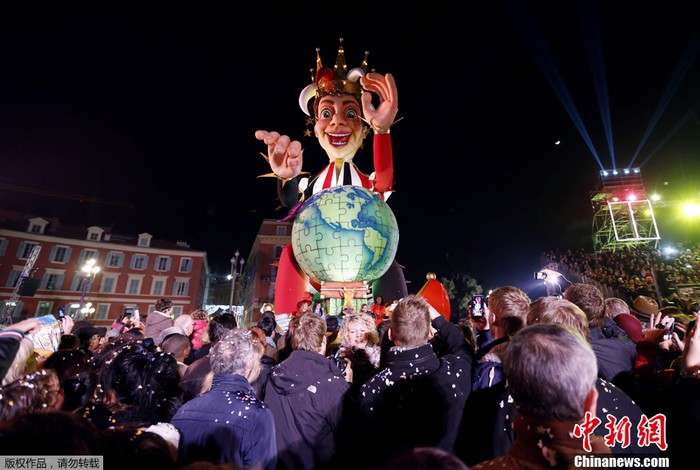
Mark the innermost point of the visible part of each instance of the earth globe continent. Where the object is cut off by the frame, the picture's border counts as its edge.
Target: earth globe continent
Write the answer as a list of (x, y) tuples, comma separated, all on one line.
[(345, 234)]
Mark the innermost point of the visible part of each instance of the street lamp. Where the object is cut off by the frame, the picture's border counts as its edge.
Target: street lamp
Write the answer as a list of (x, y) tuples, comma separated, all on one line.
[(90, 270), (235, 272)]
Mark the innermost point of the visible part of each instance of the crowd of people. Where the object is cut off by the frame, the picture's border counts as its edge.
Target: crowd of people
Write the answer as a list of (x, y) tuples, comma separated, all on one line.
[(532, 383), (635, 270)]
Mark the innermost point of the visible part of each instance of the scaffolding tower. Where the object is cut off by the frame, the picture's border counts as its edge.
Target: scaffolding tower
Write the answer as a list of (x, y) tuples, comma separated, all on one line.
[(622, 214)]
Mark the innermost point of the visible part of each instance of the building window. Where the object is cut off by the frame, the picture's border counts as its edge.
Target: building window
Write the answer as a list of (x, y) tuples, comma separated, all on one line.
[(139, 262), (52, 281), (177, 310), (109, 284), (115, 259), (60, 254), (134, 286), (158, 286), (277, 251), (145, 239), (273, 273), (37, 225), (25, 249), (13, 277), (94, 236), (281, 231), (44, 308), (181, 288), (186, 265), (163, 263), (102, 312), (3, 246), (78, 282), (87, 254)]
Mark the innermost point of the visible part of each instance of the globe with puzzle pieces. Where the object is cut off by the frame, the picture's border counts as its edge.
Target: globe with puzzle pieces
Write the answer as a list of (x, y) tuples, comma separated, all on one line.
[(345, 234)]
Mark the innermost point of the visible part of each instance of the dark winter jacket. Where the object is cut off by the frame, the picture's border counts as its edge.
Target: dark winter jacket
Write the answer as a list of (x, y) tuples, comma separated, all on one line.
[(227, 424), (417, 399), (305, 393), (615, 351)]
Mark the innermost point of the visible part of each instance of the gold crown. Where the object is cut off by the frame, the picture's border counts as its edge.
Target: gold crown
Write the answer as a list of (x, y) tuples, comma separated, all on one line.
[(335, 81)]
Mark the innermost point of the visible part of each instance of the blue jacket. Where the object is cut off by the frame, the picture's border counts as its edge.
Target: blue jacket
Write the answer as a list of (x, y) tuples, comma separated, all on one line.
[(227, 424)]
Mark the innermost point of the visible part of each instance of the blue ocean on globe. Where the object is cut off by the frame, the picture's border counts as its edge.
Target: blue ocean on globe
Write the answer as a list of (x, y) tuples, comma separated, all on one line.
[(345, 234)]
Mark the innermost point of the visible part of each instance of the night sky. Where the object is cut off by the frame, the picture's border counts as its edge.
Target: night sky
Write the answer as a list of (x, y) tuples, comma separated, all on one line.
[(142, 115)]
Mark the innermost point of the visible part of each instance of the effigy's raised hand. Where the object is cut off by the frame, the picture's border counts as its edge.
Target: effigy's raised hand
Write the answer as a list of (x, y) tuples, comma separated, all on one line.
[(384, 87), (283, 153)]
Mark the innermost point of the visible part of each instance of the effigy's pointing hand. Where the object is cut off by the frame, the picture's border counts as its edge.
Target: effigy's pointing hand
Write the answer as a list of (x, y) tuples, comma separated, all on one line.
[(284, 154)]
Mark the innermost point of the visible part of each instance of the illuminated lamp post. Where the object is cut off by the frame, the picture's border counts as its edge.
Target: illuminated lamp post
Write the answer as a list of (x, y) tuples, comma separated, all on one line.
[(235, 273), (90, 270)]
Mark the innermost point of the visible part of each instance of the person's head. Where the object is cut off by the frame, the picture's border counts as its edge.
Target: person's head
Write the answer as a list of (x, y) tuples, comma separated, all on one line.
[(267, 308), (171, 330), (237, 353), (358, 330), (128, 446), (468, 331), (220, 325), (309, 333), (410, 322), (186, 322), (73, 367), (644, 307), (332, 324), (164, 305), (508, 308), (364, 308), (69, 342), (268, 325), (303, 306), (379, 299), (589, 299), (88, 334), (560, 311), (18, 367), (425, 458), (178, 345), (134, 374), (632, 326), (551, 372), (615, 306), (49, 433), (200, 314), (38, 391)]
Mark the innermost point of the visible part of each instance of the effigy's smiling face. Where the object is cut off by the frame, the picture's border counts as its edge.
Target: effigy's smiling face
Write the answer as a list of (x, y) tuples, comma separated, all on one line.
[(339, 126)]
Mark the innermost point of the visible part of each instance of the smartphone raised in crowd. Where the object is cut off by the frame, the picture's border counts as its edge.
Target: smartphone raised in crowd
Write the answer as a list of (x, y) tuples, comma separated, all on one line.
[(477, 305), (61, 313)]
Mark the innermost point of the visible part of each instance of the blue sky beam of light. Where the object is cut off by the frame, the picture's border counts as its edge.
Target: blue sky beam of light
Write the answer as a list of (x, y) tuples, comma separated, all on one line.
[(684, 64), (594, 49), (533, 39)]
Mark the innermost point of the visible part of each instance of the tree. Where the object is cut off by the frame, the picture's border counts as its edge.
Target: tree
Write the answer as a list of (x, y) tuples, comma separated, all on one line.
[(460, 288)]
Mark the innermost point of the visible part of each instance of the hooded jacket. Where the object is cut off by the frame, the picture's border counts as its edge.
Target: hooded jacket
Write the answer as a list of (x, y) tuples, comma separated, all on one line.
[(305, 393), (156, 322)]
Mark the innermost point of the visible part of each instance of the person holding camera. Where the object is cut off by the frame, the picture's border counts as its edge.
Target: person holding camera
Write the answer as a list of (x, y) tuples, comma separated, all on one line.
[(507, 313)]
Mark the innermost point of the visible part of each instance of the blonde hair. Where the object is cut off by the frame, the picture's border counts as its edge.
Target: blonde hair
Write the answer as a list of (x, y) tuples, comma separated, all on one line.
[(363, 319)]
